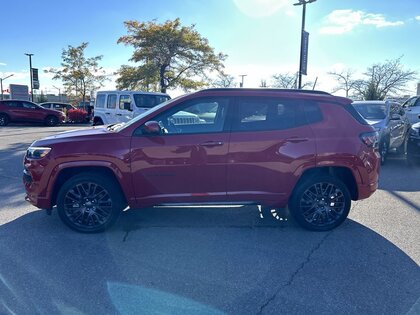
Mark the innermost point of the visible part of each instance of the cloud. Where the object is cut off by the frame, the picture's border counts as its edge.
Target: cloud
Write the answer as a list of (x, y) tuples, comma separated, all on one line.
[(260, 8), (417, 17), (344, 21), (3, 64)]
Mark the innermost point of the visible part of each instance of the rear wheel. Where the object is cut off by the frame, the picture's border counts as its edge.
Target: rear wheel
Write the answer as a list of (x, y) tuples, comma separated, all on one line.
[(320, 203), (51, 121), (97, 122), (4, 120), (89, 203)]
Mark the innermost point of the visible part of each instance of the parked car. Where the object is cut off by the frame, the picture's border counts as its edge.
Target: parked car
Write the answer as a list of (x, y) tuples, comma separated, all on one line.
[(62, 107), (389, 119), (413, 147), (120, 106), (307, 150), (25, 111), (412, 109)]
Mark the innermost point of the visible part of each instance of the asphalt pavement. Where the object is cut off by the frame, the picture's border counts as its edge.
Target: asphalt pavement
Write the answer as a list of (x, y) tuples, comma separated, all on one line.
[(223, 260)]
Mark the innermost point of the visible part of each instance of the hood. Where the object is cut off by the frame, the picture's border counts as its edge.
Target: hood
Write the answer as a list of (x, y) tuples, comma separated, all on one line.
[(79, 133)]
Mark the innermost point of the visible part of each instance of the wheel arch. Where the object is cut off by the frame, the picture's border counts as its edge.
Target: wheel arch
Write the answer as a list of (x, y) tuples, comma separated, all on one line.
[(343, 173), (66, 173)]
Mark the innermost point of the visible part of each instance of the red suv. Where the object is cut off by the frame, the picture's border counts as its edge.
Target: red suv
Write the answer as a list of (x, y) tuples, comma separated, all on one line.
[(25, 111), (307, 150)]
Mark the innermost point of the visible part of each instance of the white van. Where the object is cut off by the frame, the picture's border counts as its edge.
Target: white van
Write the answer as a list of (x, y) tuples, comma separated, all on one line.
[(120, 106)]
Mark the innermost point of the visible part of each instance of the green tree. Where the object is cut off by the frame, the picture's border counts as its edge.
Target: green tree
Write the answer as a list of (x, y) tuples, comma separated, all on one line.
[(80, 75), (169, 55)]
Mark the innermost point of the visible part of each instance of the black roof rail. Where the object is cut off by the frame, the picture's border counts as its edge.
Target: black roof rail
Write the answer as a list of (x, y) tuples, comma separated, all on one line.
[(267, 90)]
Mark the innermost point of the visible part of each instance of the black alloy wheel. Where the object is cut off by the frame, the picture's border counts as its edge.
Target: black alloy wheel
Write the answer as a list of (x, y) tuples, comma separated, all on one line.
[(51, 121), (320, 204), (89, 203), (4, 120)]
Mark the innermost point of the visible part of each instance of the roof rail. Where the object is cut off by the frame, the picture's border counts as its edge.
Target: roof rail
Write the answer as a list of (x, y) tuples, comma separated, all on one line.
[(267, 90)]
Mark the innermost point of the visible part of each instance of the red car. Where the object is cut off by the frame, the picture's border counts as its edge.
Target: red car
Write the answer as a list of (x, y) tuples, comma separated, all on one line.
[(307, 150), (25, 111)]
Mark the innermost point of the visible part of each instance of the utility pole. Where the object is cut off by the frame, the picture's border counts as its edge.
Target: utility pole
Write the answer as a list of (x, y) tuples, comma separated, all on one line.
[(242, 82), (302, 37), (59, 94), (1, 84), (30, 74)]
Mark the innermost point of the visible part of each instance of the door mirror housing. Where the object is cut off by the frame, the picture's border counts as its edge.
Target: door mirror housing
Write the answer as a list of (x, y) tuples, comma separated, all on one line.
[(151, 128)]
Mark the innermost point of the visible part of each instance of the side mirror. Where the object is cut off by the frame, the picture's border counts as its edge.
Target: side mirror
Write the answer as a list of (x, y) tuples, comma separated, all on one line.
[(395, 117), (127, 106), (152, 128)]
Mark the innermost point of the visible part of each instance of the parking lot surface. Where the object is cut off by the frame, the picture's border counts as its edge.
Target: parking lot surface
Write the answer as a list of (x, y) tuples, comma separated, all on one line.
[(224, 260)]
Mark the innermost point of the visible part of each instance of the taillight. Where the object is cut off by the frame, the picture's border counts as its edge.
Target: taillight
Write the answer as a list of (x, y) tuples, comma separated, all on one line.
[(371, 139)]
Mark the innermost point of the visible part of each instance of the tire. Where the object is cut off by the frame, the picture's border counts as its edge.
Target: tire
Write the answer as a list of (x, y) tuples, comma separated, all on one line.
[(98, 122), (89, 203), (4, 120), (310, 207), (383, 150), (277, 215), (51, 121)]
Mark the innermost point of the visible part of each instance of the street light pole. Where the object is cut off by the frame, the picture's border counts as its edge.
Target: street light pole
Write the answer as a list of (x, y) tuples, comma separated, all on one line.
[(302, 2), (30, 74), (242, 83), (1, 84)]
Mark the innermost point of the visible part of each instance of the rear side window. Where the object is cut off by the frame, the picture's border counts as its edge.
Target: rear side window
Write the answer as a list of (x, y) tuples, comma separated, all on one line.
[(312, 112), (124, 99), (262, 113), (111, 101), (350, 109), (100, 101)]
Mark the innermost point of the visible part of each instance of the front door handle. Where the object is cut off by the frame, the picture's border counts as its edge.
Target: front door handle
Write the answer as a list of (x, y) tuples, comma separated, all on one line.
[(211, 143)]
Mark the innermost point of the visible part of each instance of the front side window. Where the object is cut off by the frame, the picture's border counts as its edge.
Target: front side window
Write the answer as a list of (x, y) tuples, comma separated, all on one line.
[(262, 113), (205, 115), (28, 105), (112, 101), (100, 101), (123, 100)]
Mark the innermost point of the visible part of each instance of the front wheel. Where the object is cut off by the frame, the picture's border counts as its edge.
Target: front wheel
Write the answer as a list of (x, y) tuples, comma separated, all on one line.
[(4, 120), (89, 203), (320, 203)]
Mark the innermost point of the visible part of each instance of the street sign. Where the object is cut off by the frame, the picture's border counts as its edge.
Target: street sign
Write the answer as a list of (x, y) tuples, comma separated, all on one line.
[(35, 79), (304, 57), (19, 92)]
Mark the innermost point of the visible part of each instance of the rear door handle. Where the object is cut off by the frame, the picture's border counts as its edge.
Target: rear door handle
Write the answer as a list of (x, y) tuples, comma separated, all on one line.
[(211, 143)]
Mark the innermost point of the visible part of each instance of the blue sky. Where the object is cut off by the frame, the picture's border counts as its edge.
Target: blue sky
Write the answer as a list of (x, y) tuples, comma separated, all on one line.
[(261, 37)]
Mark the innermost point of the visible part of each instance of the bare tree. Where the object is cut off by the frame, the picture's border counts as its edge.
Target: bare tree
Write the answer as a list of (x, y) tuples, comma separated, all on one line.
[(287, 81), (224, 80), (384, 79), (345, 81)]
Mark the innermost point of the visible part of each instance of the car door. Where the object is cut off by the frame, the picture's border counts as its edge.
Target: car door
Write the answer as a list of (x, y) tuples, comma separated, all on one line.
[(270, 142), (124, 114), (110, 110), (186, 163), (33, 112), (397, 125), (412, 109)]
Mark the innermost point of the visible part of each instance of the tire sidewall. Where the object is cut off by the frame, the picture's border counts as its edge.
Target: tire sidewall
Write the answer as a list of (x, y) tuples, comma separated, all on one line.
[(294, 203), (51, 121), (5, 120), (105, 182)]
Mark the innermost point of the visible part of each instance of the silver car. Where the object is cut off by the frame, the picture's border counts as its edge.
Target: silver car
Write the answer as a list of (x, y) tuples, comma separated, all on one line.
[(390, 120)]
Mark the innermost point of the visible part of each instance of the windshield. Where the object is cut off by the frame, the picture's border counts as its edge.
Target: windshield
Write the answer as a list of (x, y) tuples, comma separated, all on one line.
[(149, 100), (152, 110), (372, 111)]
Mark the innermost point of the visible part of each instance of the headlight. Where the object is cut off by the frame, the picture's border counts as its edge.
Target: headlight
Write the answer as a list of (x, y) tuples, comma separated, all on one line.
[(37, 152)]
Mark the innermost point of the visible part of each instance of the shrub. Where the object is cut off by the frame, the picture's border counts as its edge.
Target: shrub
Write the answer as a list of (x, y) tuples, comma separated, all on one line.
[(76, 115)]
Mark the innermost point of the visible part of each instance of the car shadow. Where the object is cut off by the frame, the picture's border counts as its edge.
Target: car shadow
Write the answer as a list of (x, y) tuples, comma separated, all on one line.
[(201, 261)]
